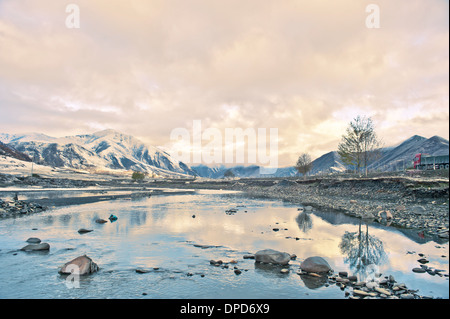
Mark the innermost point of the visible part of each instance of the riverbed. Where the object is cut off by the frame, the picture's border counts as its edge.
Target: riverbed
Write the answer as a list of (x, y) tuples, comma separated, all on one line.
[(171, 239)]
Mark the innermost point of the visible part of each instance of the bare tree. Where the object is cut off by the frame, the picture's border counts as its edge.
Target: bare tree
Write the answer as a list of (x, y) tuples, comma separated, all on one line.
[(304, 164), (360, 145)]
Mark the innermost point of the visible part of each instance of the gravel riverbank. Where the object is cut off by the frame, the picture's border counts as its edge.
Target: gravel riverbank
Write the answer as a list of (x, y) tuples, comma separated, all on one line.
[(399, 202)]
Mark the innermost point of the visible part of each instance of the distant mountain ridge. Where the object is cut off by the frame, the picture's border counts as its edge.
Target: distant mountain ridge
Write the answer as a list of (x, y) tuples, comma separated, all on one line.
[(390, 158), (107, 149), (112, 150)]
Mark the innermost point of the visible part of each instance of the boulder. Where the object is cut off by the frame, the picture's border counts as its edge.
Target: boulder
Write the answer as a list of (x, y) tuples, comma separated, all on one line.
[(418, 210), (84, 264), (36, 247), (272, 256), (315, 264)]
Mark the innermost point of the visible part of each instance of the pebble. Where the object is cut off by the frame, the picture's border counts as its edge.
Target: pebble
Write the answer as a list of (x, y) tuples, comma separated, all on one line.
[(33, 240), (383, 291), (371, 284), (364, 293), (84, 230), (418, 270)]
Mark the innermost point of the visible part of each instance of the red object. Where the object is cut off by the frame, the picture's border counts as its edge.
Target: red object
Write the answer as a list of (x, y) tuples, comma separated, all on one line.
[(421, 234), (417, 159)]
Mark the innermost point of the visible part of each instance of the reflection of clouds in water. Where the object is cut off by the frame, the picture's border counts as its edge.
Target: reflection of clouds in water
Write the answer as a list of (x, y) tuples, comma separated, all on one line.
[(156, 232)]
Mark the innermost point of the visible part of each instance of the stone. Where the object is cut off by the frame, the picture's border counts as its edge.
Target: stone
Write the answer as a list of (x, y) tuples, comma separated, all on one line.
[(83, 264), (315, 264), (371, 284), (423, 260), (272, 256), (382, 291), (249, 257), (142, 271), (343, 274), (237, 271), (36, 247), (342, 280), (216, 262), (284, 271), (418, 210), (33, 240), (406, 296), (84, 230), (100, 221), (313, 274), (364, 293), (419, 270)]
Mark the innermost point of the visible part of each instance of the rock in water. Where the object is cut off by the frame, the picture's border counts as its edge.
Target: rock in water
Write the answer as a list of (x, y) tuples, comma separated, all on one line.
[(273, 257), (83, 264), (36, 247), (84, 230), (100, 221), (315, 264), (33, 240)]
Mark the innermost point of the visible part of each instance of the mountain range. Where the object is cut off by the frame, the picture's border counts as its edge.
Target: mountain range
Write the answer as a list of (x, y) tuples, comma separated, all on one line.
[(389, 159), (100, 151), (109, 151)]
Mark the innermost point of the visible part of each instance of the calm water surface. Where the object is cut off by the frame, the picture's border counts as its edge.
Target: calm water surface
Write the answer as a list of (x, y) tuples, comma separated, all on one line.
[(160, 234)]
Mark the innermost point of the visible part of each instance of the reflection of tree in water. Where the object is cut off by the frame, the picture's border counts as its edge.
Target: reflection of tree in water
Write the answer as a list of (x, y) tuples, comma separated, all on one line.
[(362, 251), (304, 221)]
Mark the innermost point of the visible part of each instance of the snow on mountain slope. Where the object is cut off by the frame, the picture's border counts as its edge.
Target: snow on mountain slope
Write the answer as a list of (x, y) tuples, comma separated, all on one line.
[(106, 149)]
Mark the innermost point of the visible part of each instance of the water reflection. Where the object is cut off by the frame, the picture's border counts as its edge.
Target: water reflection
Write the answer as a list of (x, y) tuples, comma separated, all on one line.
[(304, 221), (160, 232), (363, 252), (312, 282)]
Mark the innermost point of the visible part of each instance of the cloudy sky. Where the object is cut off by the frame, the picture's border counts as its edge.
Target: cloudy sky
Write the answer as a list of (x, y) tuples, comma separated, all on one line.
[(147, 67)]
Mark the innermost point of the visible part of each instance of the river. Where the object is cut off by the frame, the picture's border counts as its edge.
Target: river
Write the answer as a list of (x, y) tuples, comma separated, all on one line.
[(174, 237)]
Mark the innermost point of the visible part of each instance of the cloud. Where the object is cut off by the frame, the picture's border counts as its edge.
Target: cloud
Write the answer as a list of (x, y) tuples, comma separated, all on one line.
[(148, 67)]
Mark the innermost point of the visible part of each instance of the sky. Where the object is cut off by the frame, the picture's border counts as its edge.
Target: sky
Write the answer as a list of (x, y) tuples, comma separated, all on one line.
[(151, 67)]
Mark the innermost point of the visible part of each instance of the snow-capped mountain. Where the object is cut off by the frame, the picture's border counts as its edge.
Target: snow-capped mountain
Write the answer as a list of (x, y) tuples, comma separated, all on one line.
[(103, 150)]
